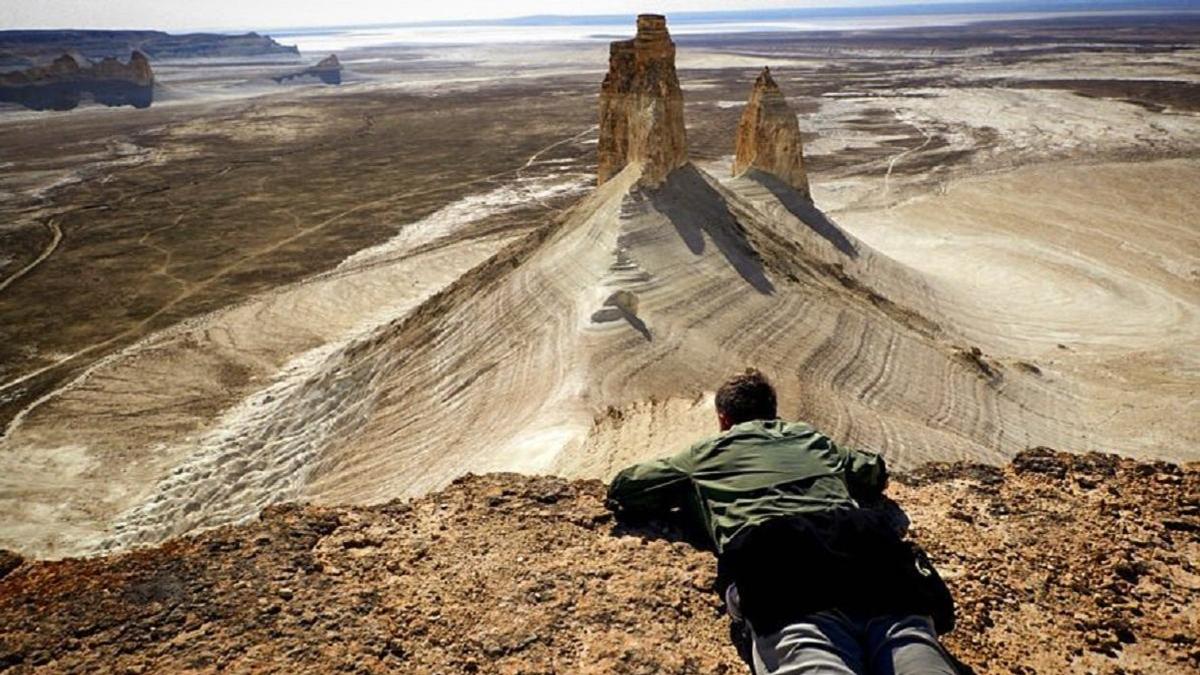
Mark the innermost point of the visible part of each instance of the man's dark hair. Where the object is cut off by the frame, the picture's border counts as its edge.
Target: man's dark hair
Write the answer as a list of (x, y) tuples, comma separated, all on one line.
[(747, 397)]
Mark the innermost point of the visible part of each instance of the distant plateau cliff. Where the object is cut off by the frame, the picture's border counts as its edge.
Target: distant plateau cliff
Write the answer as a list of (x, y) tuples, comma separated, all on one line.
[(64, 84), (25, 48)]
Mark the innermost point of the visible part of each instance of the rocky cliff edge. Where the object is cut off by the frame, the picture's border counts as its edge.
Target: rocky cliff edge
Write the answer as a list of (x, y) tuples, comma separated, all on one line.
[(1059, 563)]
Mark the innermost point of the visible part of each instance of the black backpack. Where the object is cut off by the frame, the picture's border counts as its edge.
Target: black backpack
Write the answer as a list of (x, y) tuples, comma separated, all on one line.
[(847, 559)]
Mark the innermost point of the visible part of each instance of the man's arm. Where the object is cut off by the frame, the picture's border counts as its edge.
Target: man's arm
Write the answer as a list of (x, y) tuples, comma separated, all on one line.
[(866, 475), (649, 489)]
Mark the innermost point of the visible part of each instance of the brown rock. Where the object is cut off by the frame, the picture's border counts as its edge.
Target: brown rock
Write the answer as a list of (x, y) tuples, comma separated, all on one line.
[(9, 561), (62, 84), (139, 67), (137, 71), (327, 70), (768, 136), (63, 67), (539, 586), (641, 105)]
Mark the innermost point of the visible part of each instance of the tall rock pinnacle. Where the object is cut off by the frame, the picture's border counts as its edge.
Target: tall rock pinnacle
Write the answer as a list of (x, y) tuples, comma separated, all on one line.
[(768, 136), (641, 105)]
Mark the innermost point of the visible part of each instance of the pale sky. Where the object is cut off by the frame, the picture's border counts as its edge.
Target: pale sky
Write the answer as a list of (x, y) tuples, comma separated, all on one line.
[(177, 15)]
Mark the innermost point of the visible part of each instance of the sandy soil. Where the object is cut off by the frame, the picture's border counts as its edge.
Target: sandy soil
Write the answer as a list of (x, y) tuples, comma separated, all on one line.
[(349, 295), (1088, 272)]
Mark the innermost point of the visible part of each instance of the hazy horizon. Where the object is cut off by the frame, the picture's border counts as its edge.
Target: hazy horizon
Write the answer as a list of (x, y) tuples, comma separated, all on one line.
[(225, 15)]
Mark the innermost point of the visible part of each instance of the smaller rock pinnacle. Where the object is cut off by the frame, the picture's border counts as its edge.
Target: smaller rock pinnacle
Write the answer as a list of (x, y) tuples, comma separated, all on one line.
[(768, 136)]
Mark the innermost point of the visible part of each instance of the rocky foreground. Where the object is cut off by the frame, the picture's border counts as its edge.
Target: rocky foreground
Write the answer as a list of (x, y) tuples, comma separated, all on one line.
[(1059, 563)]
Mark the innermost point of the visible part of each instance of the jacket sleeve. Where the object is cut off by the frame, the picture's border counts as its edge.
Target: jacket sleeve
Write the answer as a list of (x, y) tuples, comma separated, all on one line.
[(650, 489), (866, 474)]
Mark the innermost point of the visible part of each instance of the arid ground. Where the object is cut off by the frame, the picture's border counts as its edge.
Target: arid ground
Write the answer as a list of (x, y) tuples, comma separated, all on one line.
[(188, 294), (517, 574)]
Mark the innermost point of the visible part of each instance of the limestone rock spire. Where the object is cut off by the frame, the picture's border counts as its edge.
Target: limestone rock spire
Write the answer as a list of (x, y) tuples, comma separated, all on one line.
[(641, 105), (768, 137)]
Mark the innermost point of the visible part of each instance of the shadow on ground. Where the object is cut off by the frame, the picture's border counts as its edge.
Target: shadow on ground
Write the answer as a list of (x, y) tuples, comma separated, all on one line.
[(806, 212), (696, 209)]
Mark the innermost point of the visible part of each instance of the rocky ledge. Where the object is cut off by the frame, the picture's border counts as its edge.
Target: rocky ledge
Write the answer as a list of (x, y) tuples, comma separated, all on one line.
[(1059, 563)]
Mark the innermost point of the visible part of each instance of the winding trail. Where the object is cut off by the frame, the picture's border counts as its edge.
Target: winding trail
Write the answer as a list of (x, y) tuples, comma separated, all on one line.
[(222, 272), (56, 236), (887, 178), (535, 156)]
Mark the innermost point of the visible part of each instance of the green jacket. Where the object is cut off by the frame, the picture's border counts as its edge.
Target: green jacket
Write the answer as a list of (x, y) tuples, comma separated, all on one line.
[(755, 472)]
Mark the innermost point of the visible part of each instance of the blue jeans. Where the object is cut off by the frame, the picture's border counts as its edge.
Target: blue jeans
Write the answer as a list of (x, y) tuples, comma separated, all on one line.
[(834, 643)]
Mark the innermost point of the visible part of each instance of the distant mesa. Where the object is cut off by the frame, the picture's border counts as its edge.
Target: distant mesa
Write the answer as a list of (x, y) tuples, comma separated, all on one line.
[(641, 105), (328, 70), (768, 136), (64, 84), (22, 48)]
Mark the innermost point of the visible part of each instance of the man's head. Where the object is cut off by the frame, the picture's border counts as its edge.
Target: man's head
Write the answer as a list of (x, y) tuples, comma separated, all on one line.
[(746, 397)]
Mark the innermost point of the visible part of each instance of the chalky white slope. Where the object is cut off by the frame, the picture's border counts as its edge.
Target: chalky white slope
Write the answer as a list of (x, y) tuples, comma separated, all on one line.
[(547, 358)]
